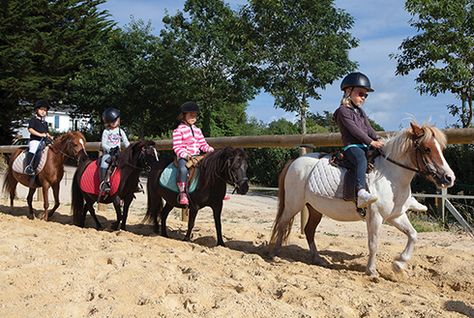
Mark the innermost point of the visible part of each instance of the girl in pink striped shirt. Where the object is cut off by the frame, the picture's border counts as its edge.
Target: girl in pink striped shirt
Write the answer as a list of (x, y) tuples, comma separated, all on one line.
[(188, 141)]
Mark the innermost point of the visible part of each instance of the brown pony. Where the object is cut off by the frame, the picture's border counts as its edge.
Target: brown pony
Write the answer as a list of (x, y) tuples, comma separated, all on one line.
[(68, 145)]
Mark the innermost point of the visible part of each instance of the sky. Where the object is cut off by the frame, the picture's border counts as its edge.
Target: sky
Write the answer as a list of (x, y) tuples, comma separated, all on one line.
[(379, 25)]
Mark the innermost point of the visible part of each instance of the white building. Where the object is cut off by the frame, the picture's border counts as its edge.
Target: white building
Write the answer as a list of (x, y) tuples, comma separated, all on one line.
[(59, 121)]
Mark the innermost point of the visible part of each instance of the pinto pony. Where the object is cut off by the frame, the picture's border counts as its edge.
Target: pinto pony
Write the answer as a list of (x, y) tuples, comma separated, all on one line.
[(413, 150), (68, 145)]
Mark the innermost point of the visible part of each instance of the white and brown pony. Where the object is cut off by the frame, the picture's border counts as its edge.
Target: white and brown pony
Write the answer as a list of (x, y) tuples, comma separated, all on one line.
[(413, 150)]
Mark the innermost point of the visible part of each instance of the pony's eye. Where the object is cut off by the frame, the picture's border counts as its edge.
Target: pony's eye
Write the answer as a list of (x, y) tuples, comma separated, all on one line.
[(426, 150)]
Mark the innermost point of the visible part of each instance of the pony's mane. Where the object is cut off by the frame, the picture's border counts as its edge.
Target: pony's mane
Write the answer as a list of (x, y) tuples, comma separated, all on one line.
[(401, 143), (61, 142), (127, 156), (212, 163)]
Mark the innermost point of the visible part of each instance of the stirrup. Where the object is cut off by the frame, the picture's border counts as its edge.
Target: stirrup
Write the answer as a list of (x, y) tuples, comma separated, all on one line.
[(29, 170)]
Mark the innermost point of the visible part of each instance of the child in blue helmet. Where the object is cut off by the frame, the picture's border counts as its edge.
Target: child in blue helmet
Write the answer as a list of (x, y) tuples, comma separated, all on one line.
[(357, 132), (112, 137)]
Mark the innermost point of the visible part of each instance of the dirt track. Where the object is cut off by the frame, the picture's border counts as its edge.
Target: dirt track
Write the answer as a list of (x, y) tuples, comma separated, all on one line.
[(55, 269)]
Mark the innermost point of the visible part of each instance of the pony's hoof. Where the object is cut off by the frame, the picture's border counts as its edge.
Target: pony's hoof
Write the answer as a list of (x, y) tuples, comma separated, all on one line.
[(185, 239), (50, 214), (319, 261), (221, 244), (398, 266), (31, 216)]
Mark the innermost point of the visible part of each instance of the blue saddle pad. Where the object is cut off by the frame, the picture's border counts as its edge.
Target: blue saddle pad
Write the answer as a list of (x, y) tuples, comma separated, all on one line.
[(168, 179)]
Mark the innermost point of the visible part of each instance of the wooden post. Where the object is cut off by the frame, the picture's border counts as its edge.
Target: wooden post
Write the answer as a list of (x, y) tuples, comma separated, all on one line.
[(185, 214), (39, 194), (304, 213)]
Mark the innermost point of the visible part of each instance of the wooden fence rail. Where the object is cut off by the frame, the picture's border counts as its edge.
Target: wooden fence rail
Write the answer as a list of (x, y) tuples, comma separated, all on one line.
[(455, 136)]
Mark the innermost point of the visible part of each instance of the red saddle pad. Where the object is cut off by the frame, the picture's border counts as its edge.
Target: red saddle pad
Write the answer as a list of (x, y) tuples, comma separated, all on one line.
[(90, 180)]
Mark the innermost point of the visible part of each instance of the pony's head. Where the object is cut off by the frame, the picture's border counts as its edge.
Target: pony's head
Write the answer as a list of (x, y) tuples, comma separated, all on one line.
[(72, 144), (229, 164), (139, 155), (424, 146)]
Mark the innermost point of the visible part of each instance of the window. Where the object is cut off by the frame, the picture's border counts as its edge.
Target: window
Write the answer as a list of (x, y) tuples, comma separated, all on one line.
[(56, 122)]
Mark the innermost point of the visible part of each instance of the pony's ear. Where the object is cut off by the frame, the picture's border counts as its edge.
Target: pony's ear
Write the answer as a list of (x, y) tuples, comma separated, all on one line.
[(416, 130)]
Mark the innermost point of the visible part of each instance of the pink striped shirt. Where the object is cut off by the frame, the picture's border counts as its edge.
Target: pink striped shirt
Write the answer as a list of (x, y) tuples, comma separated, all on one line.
[(186, 143)]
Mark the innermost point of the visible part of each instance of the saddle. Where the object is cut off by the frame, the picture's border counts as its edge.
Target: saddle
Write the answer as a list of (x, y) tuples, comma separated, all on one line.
[(90, 180), (192, 165), (19, 164)]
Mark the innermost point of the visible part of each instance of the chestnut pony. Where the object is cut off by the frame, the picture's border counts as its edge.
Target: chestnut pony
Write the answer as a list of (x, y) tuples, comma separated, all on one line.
[(68, 145)]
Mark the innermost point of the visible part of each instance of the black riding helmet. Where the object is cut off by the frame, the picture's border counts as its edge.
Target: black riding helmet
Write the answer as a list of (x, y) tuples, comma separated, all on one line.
[(189, 107), (356, 79), (41, 103), (110, 115)]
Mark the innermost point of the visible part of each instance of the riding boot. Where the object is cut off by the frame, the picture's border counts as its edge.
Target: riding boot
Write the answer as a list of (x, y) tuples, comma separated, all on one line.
[(104, 182), (36, 160), (182, 197), (28, 164)]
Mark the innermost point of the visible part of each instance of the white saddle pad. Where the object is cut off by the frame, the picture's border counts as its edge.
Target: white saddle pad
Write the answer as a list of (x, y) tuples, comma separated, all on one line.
[(19, 163), (326, 180)]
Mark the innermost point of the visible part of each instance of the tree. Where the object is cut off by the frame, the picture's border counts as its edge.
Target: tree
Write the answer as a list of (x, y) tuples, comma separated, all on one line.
[(302, 46), (134, 73), (208, 40), (42, 46), (442, 51)]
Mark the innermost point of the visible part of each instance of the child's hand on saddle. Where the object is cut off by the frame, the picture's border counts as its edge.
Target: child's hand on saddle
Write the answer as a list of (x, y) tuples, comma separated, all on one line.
[(377, 144)]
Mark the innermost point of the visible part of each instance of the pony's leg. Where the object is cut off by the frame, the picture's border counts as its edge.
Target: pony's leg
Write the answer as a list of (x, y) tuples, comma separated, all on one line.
[(118, 213), (45, 189), (126, 205), (29, 199), (283, 225), (12, 190), (164, 215), (309, 230), (55, 188), (217, 211), (403, 224), (90, 207), (191, 220), (374, 221)]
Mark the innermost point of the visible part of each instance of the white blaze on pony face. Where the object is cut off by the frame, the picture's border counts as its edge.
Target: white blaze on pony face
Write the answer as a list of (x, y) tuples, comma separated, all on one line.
[(432, 142), (448, 176)]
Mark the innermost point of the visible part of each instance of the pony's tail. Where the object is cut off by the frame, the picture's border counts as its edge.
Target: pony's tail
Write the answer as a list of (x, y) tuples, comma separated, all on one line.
[(77, 200), (9, 183), (154, 203), (280, 230)]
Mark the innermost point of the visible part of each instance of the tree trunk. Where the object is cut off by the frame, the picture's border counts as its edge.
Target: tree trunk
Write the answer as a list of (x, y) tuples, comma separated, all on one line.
[(303, 110)]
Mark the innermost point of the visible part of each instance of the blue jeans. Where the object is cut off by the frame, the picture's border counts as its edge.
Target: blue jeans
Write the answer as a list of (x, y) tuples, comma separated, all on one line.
[(356, 157), (182, 170)]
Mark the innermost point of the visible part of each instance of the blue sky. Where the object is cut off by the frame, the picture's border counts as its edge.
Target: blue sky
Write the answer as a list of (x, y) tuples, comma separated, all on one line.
[(380, 26)]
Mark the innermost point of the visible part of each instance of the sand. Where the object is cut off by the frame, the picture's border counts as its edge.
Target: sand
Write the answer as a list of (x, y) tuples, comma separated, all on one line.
[(55, 269)]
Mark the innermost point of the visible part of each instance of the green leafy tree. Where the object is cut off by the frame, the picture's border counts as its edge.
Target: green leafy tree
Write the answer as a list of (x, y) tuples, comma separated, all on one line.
[(42, 46), (302, 46), (442, 51), (208, 39), (134, 73)]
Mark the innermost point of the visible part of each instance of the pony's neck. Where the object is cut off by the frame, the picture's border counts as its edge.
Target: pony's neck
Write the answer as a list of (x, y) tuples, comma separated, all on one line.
[(397, 148)]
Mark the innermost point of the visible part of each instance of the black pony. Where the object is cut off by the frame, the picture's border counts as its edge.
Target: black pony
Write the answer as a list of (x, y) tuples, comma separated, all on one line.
[(136, 157), (218, 168)]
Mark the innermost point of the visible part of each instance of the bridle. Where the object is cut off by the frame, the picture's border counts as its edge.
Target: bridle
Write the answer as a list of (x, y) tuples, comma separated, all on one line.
[(56, 148), (428, 169)]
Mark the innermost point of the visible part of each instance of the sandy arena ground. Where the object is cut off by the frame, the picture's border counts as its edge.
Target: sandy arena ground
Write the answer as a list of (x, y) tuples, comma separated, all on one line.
[(54, 269)]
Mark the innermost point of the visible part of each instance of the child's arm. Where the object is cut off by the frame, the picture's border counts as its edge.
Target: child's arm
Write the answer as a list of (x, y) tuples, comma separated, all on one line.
[(103, 143), (203, 145), (35, 133), (125, 141), (178, 144)]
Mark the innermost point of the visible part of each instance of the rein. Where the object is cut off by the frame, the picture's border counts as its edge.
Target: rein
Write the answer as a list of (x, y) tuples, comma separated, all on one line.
[(418, 152)]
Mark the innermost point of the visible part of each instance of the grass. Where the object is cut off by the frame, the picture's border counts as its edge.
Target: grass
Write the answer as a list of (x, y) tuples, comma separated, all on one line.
[(423, 223)]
